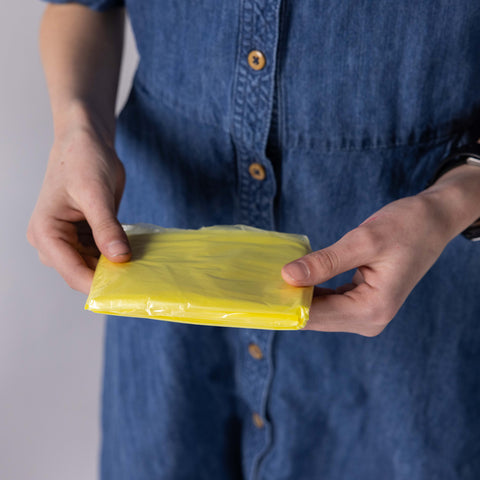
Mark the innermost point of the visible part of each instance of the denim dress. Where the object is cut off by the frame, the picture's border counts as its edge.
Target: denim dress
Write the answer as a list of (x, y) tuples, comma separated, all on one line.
[(301, 116)]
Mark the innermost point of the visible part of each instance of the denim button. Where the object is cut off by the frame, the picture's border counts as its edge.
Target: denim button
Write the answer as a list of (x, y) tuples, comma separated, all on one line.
[(258, 420), (257, 171), (256, 59), (255, 351)]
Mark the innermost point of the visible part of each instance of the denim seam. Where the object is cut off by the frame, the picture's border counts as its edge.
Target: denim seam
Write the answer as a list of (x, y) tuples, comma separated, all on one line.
[(267, 392), (292, 142), (237, 87), (309, 143), (244, 45), (180, 108), (281, 103), (271, 38), (274, 34)]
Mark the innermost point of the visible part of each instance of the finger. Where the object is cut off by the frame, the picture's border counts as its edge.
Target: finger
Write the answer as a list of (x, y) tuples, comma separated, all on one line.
[(120, 187), (357, 311), (107, 231), (356, 280), (90, 261), (351, 251), (68, 262), (358, 277), (44, 259), (345, 288)]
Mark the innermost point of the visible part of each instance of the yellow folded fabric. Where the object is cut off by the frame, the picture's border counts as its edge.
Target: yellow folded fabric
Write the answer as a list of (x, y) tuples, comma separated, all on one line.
[(221, 275)]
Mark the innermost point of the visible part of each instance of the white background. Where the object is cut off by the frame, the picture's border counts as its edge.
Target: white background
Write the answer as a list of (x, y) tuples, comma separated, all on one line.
[(51, 350)]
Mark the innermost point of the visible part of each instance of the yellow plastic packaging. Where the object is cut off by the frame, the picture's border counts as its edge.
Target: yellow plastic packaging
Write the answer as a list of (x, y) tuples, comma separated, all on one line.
[(221, 275)]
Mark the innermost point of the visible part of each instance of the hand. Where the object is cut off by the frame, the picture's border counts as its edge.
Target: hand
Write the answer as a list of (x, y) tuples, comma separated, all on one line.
[(391, 251), (75, 215)]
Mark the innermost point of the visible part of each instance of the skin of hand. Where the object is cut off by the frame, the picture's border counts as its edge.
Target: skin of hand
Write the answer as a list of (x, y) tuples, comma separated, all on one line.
[(75, 215), (391, 251), (81, 193)]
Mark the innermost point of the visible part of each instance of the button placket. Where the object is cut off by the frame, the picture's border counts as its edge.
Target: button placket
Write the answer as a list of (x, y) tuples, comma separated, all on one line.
[(252, 111), (253, 94)]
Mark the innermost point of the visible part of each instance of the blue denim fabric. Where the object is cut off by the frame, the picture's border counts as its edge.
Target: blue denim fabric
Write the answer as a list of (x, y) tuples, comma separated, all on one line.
[(357, 104)]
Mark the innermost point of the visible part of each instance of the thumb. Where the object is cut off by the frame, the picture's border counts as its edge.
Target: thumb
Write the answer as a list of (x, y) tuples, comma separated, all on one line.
[(108, 233), (318, 267)]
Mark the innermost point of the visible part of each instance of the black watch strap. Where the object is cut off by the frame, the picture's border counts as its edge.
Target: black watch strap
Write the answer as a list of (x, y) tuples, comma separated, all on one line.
[(473, 232), (457, 158), (470, 155)]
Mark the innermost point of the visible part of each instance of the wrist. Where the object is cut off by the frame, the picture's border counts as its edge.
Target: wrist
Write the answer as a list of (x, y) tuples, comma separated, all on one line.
[(79, 116), (455, 198)]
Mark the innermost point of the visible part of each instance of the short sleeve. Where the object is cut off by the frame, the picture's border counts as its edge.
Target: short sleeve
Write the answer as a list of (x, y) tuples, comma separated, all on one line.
[(98, 5)]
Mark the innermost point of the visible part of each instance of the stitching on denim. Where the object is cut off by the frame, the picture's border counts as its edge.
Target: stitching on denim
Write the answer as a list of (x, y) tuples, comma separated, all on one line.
[(310, 143), (289, 141), (236, 87), (243, 72), (270, 80), (183, 109), (266, 395), (281, 102)]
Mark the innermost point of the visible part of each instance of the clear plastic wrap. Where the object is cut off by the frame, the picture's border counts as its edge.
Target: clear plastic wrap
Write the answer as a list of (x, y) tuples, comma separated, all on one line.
[(225, 275)]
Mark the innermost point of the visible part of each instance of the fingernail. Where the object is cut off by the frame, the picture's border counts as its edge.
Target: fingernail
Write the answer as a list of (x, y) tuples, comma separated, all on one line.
[(297, 270), (117, 248)]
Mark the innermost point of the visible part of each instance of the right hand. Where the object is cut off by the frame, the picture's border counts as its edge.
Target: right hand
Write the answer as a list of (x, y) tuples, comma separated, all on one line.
[(74, 219)]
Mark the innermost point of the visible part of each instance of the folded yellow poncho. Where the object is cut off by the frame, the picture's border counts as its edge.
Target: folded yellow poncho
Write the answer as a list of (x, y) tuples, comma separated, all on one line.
[(220, 275)]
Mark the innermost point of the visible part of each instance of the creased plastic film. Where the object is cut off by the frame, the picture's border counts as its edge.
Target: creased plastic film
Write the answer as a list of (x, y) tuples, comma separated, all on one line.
[(221, 275)]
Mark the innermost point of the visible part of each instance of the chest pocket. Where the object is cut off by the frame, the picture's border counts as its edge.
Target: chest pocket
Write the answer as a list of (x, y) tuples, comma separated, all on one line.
[(376, 73), (187, 54)]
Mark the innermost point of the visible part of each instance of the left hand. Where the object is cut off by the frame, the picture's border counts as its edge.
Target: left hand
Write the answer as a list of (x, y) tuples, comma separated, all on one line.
[(391, 250)]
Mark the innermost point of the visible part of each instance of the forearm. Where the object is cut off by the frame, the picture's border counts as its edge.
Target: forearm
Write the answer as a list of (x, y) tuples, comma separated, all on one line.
[(457, 195), (81, 55)]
